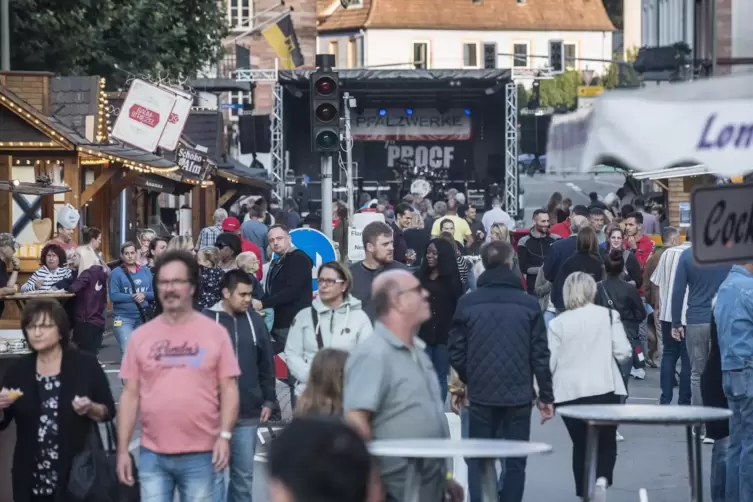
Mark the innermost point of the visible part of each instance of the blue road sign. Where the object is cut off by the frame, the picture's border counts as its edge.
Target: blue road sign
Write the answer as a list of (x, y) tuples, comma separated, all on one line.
[(315, 244), (231, 106)]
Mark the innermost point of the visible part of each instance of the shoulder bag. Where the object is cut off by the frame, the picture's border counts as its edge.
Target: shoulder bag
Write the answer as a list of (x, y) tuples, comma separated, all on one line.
[(639, 360), (145, 317), (317, 328)]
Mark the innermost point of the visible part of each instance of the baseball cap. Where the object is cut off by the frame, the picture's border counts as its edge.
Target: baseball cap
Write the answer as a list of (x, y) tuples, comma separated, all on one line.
[(7, 239), (230, 224)]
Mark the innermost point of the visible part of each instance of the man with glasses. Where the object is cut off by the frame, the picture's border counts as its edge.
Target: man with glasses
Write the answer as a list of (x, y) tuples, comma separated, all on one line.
[(180, 372), (391, 388)]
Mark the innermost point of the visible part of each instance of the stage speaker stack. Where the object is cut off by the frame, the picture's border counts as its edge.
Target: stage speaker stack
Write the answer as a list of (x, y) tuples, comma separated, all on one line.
[(255, 136)]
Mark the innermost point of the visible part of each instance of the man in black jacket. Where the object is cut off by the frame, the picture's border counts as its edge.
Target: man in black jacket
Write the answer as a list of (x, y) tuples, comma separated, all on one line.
[(256, 383), (497, 344), (534, 248), (288, 284)]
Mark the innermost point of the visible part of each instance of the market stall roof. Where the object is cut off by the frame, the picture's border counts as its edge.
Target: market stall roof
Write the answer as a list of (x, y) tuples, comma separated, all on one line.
[(704, 122), (29, 188), (130, 156), (233, 170)]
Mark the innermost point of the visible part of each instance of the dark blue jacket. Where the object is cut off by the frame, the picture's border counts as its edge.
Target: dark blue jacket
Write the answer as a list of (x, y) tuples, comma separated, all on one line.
[(561, 251), (498, 343)]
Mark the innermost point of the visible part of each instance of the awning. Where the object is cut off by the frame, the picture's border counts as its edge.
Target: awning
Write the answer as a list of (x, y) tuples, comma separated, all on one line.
[(156, 184), (131, 157), (677, 172), (233, 170)]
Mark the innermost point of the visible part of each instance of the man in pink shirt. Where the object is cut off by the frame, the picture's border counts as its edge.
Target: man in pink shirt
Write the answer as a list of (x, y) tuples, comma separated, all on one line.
[(180, 372)]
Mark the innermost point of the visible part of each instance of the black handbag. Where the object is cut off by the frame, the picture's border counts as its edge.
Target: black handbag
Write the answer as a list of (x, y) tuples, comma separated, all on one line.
[(639, 359), (145, 316), (93, 476)]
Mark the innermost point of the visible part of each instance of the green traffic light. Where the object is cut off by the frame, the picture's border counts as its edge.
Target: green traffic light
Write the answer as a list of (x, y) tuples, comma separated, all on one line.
[(326, 140)]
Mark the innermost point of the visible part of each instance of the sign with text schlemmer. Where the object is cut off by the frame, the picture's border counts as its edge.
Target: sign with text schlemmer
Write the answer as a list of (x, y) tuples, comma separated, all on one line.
[(722, 228), (192, 162)]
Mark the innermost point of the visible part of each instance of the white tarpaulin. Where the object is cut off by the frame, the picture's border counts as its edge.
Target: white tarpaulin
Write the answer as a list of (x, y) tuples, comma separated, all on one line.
[(708, 122), (566, 141)]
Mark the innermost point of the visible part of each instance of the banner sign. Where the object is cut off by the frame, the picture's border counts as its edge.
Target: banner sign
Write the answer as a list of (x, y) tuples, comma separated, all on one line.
[(155, 184), (192, 162), (722, 226), (144, 115), (406, 124), (177, 119), (454, 156)]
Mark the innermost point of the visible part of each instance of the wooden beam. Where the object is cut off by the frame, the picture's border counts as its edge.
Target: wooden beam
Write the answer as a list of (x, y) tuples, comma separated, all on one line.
[(100, 181), (225, 197), (123, 183), (6, 198)]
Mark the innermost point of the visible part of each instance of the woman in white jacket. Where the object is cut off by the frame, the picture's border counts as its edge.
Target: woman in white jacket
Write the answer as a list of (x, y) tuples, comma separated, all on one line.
[(334, 320), (587, 345)]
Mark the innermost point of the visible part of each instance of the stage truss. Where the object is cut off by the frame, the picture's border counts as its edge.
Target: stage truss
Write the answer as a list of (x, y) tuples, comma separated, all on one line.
[(276, 167), (511, 150)]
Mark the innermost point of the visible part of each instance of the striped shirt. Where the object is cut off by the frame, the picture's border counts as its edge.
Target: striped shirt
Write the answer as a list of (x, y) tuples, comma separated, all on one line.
[(50, 278), (664, 279)]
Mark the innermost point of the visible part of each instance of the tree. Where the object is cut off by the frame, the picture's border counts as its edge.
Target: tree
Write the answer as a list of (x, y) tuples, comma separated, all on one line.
[(614, 11), (91, 37), (561, 91)]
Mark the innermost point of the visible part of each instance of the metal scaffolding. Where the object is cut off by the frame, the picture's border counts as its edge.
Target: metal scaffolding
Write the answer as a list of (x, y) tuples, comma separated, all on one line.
[(276, 167), (511, 150)]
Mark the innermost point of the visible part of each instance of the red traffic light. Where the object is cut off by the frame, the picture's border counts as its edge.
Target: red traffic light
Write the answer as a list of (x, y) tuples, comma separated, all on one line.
[(326, 112), (325, 86)]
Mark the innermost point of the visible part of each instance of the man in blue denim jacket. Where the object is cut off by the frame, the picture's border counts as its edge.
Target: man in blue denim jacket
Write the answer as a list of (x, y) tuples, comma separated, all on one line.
[(734, 321)]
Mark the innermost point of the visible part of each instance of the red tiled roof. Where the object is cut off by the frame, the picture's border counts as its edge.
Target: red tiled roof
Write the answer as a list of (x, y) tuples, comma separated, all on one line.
[(507, 15)]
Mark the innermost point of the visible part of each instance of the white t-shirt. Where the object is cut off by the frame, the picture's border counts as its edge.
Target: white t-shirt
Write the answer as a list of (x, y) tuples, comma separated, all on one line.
[(496, 215)]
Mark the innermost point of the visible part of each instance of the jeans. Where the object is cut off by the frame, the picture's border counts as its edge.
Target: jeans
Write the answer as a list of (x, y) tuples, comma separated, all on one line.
[(464, 423), (719, 470), (548, 317), (643, 333), (491, 422), (672, 352), (192, 474), (440, 358), (606, 455), (738, 387), (241, 466), (698, 343), (122, 328)]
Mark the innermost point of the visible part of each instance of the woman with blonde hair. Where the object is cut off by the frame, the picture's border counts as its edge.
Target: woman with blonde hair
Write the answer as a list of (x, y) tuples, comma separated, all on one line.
[(324, 392), (500, 232), (587, 345), (334, 320), (182, 243), (210, 277), (90, 288), (145, 239)]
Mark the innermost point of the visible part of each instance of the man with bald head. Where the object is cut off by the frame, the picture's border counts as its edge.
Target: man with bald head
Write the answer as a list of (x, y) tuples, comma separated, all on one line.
[(391, 387)]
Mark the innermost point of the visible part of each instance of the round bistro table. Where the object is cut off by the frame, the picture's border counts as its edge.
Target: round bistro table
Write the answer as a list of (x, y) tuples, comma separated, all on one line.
[(596, 415), (415, 451)]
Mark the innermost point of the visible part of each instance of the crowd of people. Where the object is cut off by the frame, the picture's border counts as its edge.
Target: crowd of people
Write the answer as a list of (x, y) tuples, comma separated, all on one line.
[(443, 311)]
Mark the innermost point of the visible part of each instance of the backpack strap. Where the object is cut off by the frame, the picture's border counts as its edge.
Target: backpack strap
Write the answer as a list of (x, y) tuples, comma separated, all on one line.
[(317, 329)]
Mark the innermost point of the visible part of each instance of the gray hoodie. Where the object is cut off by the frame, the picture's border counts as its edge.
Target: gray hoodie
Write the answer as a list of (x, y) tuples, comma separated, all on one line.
[(253, 349), (362, 279)]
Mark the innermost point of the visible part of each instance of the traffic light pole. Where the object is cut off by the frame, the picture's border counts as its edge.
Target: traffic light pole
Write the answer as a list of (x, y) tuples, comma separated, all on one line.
[(326, 162)]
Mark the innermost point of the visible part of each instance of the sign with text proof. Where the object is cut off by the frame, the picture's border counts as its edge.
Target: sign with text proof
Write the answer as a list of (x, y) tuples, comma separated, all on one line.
[(722, 229), (144, 115)]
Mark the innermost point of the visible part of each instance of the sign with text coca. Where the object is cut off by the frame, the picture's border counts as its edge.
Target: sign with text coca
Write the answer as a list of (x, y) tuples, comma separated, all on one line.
[(420, 124), (177, 119), (144, 115)]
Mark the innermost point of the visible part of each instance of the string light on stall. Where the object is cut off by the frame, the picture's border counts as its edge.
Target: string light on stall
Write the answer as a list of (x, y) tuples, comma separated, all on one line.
[(102, 114), (20, 110)]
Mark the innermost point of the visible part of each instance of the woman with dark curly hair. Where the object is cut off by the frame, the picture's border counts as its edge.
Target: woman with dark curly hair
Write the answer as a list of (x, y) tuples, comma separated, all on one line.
[(51, 271)]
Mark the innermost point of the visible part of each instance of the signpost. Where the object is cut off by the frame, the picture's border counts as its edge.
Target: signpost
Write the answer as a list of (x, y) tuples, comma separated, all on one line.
[(316, 245), (722, 228)]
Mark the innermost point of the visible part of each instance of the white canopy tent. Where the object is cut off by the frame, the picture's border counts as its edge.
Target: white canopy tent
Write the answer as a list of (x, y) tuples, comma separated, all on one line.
[(702, 123)]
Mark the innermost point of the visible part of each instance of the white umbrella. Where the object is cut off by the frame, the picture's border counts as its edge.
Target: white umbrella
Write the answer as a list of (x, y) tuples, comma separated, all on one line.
[(707, 122)]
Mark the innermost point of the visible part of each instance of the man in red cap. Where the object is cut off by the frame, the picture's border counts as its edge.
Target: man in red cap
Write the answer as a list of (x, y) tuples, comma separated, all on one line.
[(231, 224)]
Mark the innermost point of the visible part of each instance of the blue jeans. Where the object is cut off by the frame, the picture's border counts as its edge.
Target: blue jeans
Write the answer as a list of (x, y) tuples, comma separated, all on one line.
[(738, 387), (122, 328), (719, 470), (192, 474), (673, 351), (242, 450), (488, 422), (548, 317), (440, 358)]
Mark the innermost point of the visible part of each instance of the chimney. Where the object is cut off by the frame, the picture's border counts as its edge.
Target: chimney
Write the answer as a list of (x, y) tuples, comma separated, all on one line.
[(31, 86)]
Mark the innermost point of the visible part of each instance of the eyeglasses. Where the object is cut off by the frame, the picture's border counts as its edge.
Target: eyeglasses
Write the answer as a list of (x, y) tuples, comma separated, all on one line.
[(329, 282)]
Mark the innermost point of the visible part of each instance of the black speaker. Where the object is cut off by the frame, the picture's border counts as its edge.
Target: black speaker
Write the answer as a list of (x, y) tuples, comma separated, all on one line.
[(534, 132), (255, 136)]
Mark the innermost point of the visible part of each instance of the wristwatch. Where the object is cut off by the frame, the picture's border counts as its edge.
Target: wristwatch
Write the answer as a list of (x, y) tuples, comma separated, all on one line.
[(226, 435)]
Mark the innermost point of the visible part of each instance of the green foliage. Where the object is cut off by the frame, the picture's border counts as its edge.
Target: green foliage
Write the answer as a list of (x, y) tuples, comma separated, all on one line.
[(561, 91), (91, 37), (621, 77)]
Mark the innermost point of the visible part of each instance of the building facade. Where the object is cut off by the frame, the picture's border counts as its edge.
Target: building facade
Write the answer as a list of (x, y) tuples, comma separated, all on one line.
[(466, 34)]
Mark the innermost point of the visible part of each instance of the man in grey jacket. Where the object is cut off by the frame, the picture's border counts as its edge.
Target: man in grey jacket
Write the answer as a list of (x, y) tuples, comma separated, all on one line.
[(256, 384), (378, 246)]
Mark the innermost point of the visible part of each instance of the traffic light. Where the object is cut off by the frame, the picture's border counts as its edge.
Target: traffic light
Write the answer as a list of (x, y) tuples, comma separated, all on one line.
[(556, 56), (325, 111)]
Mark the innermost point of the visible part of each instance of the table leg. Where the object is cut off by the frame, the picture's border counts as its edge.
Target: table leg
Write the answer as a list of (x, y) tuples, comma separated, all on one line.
[(695, 473), (592, 448), (413, 480), (20, 305), (698, 466), (489, 479)]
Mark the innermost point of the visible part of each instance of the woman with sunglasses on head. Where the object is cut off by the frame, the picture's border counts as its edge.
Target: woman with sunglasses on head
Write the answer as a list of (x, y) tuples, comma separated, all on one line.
[(334, 320)]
